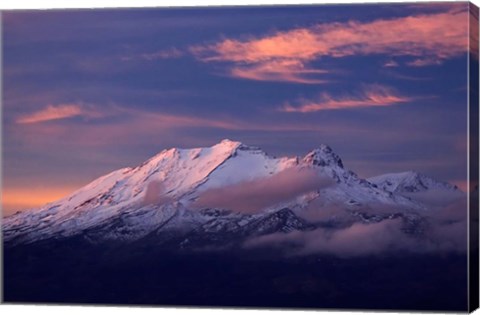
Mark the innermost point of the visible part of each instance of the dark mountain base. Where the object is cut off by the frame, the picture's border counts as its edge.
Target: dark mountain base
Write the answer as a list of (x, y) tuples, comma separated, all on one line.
[(72, 273)]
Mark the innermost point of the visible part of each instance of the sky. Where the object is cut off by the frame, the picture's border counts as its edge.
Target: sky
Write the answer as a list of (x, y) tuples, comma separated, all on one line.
[(86, 92)]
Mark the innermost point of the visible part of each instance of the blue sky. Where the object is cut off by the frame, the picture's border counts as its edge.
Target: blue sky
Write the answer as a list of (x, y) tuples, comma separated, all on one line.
[(90, 91)]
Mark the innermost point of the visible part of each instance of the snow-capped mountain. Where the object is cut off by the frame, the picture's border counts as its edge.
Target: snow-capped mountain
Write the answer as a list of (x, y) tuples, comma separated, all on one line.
[(159, 199), (409, 182)]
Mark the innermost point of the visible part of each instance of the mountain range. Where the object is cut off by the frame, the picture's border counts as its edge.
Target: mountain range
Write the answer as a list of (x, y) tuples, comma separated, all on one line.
[(223, 196)]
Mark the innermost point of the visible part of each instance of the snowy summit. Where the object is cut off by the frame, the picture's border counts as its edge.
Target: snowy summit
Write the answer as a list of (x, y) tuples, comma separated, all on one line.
[(184, 190)]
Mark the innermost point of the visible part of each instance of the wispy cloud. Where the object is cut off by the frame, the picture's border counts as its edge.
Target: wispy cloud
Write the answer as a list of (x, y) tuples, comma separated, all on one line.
[(357, 240), (390, 64), (254, 195), (130, 125), (423, 62), (169, 53), (287, 55), (372, 96), (156, 194), (279, 70), (404, 76), (55, 112), (446, 232)]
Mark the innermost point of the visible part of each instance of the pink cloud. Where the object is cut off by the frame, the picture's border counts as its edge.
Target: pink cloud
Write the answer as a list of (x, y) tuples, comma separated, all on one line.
[(255, 195), (54, 112), (279, 70), (156, 194), (372, 96), (138, 125), (440, 35), (423, 62), (391, 64), (407, 77)]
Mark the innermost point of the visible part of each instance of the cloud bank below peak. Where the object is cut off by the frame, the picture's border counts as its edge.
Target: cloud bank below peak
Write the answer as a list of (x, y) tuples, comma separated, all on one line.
[(446, 232)]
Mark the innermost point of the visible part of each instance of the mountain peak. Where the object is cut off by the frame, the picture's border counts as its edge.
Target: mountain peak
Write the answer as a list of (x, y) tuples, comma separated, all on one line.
[(165, 189), (323, 156), (230, 143), (409, 181), (233, 146)]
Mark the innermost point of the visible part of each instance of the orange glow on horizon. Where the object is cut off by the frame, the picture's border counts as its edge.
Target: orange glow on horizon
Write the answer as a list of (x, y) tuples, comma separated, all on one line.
[(19, 199)]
